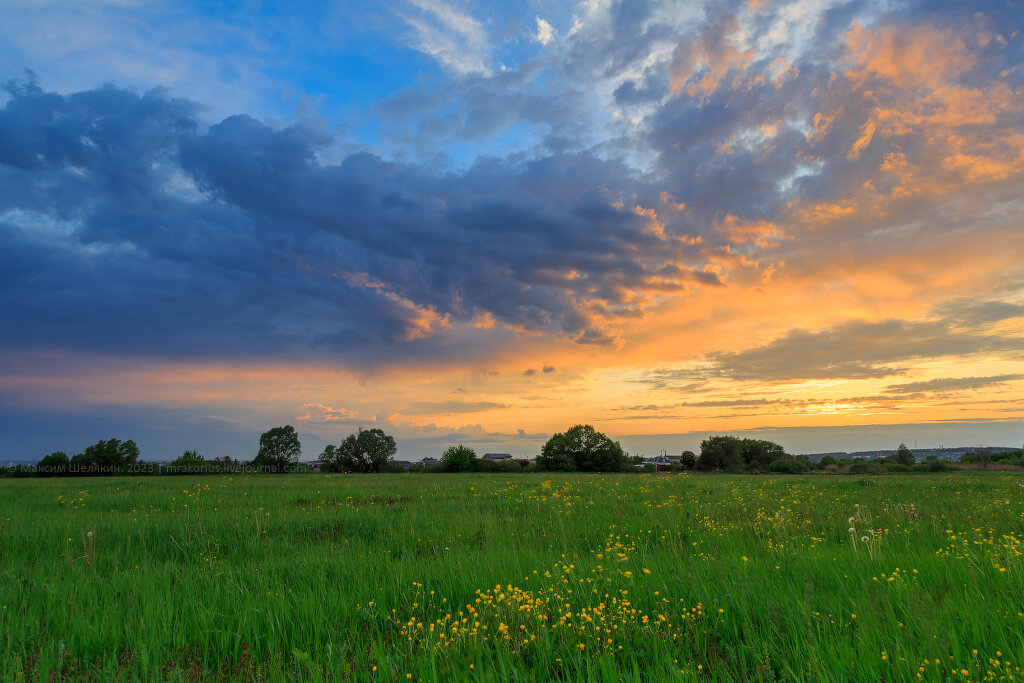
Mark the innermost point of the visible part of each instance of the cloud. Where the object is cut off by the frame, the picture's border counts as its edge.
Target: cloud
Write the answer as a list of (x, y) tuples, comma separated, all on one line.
[(235, 237), (449, 407), (529, 372), (545, 32), (946, 384), (455, 39), (855, 350), (549, 368), (318, 412), (710, 198)]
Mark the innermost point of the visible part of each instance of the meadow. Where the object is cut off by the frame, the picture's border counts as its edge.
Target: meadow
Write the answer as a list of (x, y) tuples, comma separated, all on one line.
[(526, 577)]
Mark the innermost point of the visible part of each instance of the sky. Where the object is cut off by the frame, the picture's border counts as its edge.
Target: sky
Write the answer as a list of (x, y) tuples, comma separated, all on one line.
[(483, 222)]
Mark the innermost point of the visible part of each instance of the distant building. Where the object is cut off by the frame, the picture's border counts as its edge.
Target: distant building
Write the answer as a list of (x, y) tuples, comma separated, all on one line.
[(497, 456)]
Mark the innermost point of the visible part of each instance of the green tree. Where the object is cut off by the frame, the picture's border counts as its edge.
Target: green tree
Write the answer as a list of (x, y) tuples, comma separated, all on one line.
[(106, 457), (191, 462), (720, 453), (458, 459), (54, 465), (904, 456), (759, 453), (368, 451), (688, 460), (279, 449), (585, 449)]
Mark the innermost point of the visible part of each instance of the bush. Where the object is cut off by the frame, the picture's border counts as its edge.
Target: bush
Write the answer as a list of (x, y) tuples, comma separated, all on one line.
[(788, 466), (506, 466), (481, 465)]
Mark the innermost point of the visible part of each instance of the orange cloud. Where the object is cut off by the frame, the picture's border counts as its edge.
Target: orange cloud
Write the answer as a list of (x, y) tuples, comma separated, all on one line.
[(764, 234), (907, 56), (700, 71), (318, 412)]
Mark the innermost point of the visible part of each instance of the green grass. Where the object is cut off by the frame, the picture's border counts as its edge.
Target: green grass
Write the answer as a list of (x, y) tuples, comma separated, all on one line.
[(527, 577)]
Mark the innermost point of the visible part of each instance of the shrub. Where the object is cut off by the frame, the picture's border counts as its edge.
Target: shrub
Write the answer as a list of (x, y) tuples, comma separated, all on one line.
[(788, 466), (506, 466)]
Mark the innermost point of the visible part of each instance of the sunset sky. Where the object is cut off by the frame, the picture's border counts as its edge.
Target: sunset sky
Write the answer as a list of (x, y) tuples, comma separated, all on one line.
[(484, 222)]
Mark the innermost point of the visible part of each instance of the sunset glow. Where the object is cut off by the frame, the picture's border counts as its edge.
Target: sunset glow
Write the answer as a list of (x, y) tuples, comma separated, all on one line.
[(476, 223)]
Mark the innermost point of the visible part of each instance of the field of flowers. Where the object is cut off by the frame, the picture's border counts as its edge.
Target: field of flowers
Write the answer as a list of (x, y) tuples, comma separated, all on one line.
[(526, 577)]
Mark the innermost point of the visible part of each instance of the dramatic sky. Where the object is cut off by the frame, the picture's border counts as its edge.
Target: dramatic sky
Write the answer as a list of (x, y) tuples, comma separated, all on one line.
[(483, 222)]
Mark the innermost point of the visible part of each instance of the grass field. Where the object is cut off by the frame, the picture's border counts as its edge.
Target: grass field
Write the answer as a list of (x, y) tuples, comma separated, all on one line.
[(528, 577)]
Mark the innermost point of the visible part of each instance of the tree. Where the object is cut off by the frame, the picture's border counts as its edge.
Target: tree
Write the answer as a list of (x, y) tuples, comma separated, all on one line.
[(191, 462), (54, 465), (720, 453), (585, 449), (279, 448), (368, 451), (904, 456), (688, 460), (106, 457), (458, 459), (759, 454)]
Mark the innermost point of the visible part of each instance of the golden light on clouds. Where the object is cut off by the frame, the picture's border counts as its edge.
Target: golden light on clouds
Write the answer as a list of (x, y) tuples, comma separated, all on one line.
[(778, 217)]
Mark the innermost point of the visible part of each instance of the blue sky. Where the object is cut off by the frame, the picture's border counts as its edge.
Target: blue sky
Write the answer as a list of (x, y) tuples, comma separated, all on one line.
[(485, 222)]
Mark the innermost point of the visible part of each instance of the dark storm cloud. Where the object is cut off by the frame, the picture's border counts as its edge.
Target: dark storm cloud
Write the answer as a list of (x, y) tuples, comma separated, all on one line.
[(125, 224)]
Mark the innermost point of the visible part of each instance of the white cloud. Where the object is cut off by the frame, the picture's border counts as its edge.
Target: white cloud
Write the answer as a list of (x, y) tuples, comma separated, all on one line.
[(545, 32), (456, 40)]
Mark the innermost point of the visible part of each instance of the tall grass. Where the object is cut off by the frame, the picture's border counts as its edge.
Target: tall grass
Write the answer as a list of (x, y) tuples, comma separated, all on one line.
[(631, 577)]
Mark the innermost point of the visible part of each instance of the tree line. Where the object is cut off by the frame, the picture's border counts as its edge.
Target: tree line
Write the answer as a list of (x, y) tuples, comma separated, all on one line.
[(580, 448)]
